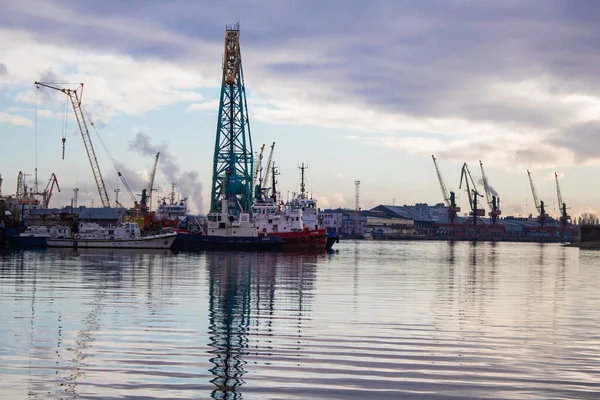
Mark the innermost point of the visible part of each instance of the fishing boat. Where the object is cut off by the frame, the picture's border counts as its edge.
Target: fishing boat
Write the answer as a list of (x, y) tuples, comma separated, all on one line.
[(126, 236)]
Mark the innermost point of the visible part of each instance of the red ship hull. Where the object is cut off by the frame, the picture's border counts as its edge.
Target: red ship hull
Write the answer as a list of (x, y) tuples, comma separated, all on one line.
[(305, 239)]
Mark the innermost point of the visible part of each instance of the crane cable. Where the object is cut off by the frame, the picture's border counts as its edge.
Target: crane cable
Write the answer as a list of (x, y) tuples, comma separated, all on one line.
[(109, 154), (64, 125)]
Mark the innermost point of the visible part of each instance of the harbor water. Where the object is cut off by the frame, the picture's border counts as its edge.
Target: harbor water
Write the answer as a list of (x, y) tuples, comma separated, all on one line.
[(373, 320)]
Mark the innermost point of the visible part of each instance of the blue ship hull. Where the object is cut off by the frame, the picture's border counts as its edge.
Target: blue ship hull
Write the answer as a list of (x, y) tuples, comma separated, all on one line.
[(26, 241), (197, 241)]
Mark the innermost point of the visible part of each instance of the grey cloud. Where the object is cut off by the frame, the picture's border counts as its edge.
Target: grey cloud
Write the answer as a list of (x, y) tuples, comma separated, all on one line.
[(436, 59), (3, 70), (583, 140), (536, 156)]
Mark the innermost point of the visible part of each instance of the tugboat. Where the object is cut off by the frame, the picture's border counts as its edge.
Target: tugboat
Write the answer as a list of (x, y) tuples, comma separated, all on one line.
[(226, 231), (295, 222)]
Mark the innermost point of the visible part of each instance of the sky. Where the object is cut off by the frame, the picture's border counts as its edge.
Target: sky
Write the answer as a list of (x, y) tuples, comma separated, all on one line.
[(365, 92)]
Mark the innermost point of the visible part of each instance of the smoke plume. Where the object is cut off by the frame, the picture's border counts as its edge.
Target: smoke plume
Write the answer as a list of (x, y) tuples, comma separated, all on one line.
[(492, 190), (187, 181)]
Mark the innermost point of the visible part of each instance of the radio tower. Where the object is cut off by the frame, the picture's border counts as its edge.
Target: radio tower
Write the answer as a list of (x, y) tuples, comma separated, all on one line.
[(356, 206), (233, 163)]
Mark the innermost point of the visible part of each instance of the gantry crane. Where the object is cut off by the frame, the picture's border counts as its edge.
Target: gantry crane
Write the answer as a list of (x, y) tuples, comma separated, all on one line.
[(472, 193), (539, 204), (564, 217), (449, 197), (146, 201), (492, 200), (75, 96), (269, 167)]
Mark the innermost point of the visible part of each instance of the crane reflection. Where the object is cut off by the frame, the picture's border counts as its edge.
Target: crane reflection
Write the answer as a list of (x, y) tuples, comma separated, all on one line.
[(247, 293)]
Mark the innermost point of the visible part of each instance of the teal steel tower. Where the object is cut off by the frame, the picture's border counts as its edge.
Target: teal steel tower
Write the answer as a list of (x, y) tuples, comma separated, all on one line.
[(233, 162)]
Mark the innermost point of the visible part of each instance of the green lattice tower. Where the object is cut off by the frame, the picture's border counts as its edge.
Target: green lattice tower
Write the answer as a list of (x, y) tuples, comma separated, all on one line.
[(233, 162)]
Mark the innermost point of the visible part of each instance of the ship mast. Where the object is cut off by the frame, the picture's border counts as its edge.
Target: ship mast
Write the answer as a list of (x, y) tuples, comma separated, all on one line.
[(302, 186)]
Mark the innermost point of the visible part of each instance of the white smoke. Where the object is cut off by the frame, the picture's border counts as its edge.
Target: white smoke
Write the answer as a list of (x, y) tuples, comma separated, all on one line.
[(492, 190), (187, 181)]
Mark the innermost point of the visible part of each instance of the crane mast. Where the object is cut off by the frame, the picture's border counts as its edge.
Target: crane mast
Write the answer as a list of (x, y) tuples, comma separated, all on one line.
[(493, 201), (233, 156), (449, 198), (75, 96), (269, 166), (539, 204), (257, 168), (472, 191), (150, 187), (535, 196), (445, 194), (47, 193), (564, 217)]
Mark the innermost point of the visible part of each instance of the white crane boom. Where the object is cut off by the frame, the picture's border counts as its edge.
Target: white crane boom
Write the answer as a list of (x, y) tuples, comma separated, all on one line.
[(75, 96)]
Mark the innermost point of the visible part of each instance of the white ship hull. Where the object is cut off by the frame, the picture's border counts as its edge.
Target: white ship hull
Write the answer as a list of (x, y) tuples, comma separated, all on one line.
[(146, 242)]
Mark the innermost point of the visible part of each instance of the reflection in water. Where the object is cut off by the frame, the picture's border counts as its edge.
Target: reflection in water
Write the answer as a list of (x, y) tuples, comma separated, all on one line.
[(229, 304), (243, 302), (378, 320)]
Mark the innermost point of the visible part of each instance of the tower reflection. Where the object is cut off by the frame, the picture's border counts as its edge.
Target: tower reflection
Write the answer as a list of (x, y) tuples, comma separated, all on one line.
[(247, 293)]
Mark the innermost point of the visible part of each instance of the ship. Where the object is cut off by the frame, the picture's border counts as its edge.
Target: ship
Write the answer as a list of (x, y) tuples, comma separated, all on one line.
[(173, 212), (226, 230), (296, 222), (126, 236)]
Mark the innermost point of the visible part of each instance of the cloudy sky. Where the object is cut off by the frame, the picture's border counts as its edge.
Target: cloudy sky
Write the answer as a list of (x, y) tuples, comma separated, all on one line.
[(358, 90)]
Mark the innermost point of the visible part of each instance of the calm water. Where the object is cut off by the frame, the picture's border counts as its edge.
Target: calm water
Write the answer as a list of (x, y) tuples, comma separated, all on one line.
[(371, 321)]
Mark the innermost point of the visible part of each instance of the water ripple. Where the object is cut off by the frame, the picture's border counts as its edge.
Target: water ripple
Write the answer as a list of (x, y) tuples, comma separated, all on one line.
[(376, 320)]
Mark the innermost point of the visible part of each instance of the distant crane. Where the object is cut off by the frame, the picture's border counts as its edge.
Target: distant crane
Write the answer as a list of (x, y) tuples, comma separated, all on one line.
[(257, 167), (269, 166), (492, 200), (146, 200), (449, 197), (75, 96), (472, 191), (356, 206), (47, 193), (564, 217), (539, 205)]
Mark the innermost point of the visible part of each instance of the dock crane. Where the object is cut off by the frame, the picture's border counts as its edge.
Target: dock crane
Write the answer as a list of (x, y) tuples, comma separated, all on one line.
[(449, 197), (539, 204), (146, 200), (269, 166), (492, 200), (257, 167), (564, 217), (75, 96), (47, 193), (472, 193)]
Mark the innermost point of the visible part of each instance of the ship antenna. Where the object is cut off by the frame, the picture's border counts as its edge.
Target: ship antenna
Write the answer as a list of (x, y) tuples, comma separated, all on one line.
[(274, 190), (302, 186)]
